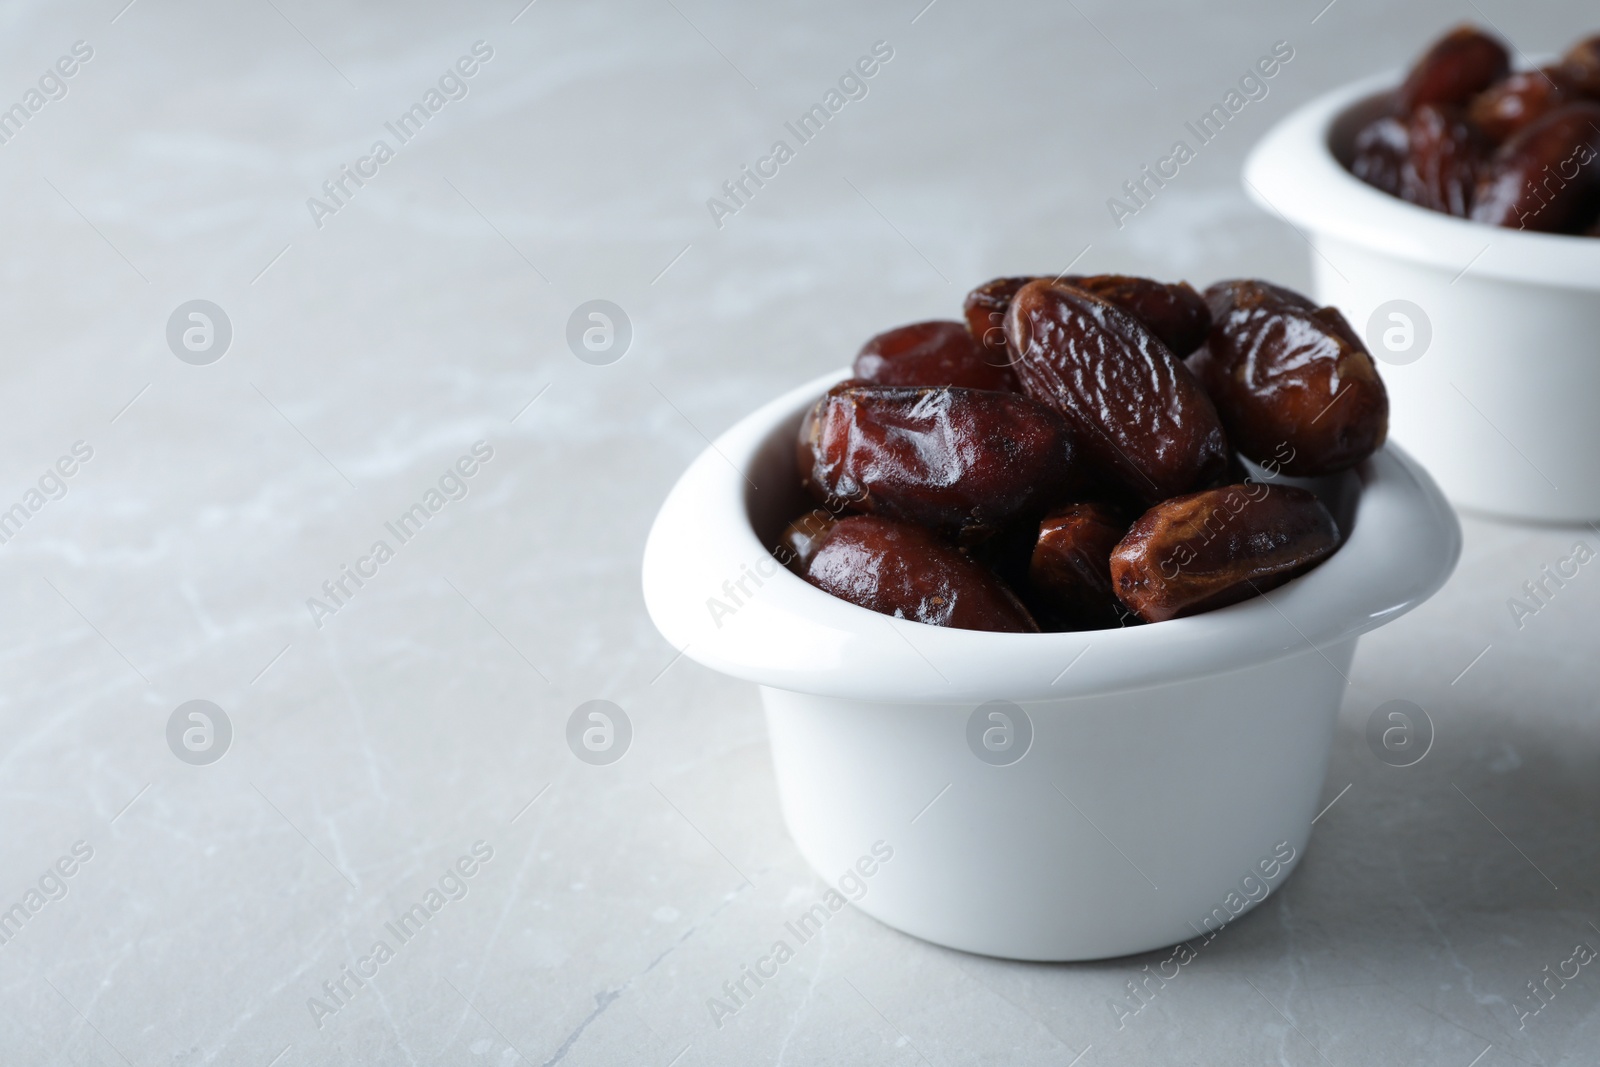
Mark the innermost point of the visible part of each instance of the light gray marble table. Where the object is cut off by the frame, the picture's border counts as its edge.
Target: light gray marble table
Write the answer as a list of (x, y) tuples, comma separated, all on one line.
[(377, 337)]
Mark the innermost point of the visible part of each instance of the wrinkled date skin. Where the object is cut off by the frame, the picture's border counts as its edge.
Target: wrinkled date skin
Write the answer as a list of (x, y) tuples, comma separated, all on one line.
[(1296, 388), (898, 569), (1173, 312), (1581, 65), (801, 539), (1210, 549), (1467, 136), (985, 308), (1069, 576), (1546, 178), (1381, 150), (1518, 99), (960, 460), (1445, 156), (933, 353), (1458, 67), (1137, 411)]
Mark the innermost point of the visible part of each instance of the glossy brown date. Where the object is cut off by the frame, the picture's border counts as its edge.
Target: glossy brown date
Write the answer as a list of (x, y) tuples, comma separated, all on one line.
[(1069, 574), (1210, 549), (1518, 99), (1547, 177), (1581, 65), (801, 538), (1380, 152), (1460, 65), (985, 308), (1445, 156), (1295, 386), (903, 570), (1467, 136), (1137, 412), (933, 353), (960, 460), (1432, 157), (1172, 311)]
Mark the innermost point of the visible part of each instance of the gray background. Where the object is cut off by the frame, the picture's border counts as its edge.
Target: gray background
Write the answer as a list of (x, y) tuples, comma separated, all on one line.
[(370, 353)]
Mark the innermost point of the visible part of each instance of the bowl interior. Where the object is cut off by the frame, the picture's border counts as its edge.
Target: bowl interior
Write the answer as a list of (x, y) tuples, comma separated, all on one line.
[(773, 497)]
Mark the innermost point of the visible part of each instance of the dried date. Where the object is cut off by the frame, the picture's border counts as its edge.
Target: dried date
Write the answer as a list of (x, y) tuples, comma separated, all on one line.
[(1207, 550), (1581, 65), (1518, 99), (1173, 312), (1546, 178), (1380, 151), (1135, 408), (1467, 136), (1296, 388), (898, 569), (802, 538), (960, 460), (932, 353), (1460, 65), (985, 309), (1445, 156), (1069, 574)]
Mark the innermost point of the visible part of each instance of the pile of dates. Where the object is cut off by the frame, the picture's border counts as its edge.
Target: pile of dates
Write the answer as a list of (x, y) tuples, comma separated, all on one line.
[(1466, 135), (1068, 458)]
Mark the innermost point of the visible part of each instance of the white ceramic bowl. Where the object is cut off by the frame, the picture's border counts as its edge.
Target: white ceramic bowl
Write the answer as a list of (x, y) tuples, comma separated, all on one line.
[(1503, 404), (1169, 764)]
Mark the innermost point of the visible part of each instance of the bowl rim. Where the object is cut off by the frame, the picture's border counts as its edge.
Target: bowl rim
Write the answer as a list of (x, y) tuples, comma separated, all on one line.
[(1293, 173), (790, 635)]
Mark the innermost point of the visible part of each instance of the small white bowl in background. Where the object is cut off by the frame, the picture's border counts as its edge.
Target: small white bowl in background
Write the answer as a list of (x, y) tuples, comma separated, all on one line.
[(1489, 337), (1150, 781)]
